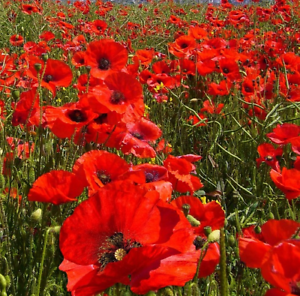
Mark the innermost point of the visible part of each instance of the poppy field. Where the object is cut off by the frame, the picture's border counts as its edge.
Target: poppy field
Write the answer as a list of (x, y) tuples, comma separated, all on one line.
[(149, 149)]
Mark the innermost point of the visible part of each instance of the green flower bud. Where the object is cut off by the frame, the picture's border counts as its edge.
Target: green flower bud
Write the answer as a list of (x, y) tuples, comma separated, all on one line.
[(15, 94), (257, 229), (271, 216), (36, 216), (231, 240), (168, 292), (194, 222), (45, 57), (207, 230), (37, 67), (214, 236), (55, 229), (3, 282)]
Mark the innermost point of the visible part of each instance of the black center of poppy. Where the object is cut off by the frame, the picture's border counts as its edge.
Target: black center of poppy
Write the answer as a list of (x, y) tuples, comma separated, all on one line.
[(101, 118), (115, 248), (104, 64), (48, 78), (149, 177), (247, 89), (137, 135), (117, 97), (268, 158), (226, 70), (104, 177), (184, 45), (199, 242), (77, 116), (295, 289)]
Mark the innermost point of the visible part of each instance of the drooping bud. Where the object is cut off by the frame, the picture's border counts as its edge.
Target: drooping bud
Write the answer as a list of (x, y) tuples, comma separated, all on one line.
[(194, 222), (15, 94), (231, 240), (214, 236), (45, 57), (55, 229), (36, 216), (257, 229)]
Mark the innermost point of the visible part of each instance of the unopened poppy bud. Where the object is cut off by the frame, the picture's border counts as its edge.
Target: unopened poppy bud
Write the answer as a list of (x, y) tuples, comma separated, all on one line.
[(207, 230), (194, 100), (214, 236), (231, 240), (186, 209), (38, 67), (194, 222), (55, 229), (31, 174), (257, 229), (270, 216), (3, 282), (45, 57), (36, 216), (15, 94), (168, 292)]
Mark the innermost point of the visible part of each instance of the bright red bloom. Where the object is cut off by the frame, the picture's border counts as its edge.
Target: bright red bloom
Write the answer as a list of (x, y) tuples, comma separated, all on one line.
[(64, 121), (145, 56), (57, 74), (269, 154), (122, 232), (183, 46), (104, 57), (283, 133), (29, 8), (282, 269), (16, 40), (230, 69), (287, 181), (209, 215), (179, 175), (56, 187), (254, 247), (119, 92)]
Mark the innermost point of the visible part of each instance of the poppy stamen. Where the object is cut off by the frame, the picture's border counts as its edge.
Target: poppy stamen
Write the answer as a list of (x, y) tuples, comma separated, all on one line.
[(77, 116), (104, 64), (48, 78), (104, 177), (117, 97)]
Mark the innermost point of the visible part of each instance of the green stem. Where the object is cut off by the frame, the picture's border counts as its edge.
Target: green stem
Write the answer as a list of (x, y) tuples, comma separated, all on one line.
[(224, 283), (42, 263)]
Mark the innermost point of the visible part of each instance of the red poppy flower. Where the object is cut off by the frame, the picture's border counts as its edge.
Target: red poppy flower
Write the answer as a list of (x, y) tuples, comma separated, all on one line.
[(98, 168), (29, 9), (183, 46), (105, 56), (281, 269), (56, 187), (23, 149), (145, 56), (57, 74), (47, 36), (269, 154), (221, 89), (179, 175), (205, 63), (254, 247), (16, 40), (64, 121), (122, 233), (208, 215), (27, 110), (283, 133), (287, 181), (119, 92), (137, 138), (230, 69)]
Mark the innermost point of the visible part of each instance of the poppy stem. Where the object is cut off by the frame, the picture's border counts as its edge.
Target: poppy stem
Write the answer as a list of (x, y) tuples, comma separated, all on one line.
[(202, 255), (38, 287), (224, 283)]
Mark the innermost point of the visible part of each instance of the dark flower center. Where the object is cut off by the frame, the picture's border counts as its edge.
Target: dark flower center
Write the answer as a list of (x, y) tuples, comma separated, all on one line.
[(137, 135), (115, 248), (101, 118), (48, 78), (104, 64), (149, 177), (247, 89), (226, 70), (199, 242), (295, 288), (268, 158), (117, 97), (77, 116), (184, 45), (104, 177)]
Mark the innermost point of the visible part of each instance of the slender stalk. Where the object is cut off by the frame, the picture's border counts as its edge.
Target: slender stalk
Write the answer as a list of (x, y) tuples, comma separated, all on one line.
[(224, 283)]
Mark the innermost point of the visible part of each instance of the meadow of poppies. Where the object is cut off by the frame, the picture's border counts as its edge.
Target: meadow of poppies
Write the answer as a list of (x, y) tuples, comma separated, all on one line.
[(149, 149)]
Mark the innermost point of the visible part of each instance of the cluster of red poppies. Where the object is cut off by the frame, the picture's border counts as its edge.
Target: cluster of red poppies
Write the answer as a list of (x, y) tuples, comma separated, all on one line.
[(286, 179)]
